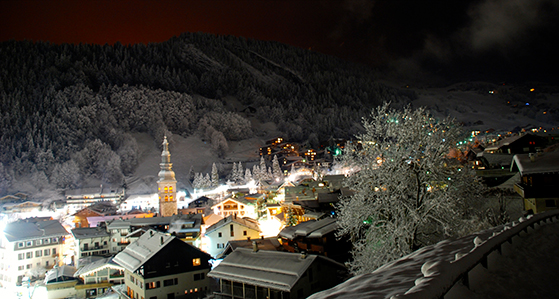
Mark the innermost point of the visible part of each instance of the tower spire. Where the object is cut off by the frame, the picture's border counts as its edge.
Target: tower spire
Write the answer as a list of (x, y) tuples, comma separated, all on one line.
[(167, 183)]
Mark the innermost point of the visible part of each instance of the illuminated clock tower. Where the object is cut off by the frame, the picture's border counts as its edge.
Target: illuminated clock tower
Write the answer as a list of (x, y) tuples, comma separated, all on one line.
[(167, 184)]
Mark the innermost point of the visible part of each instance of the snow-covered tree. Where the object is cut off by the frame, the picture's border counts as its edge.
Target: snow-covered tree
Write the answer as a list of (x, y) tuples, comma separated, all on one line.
[(233, 172), (198, 180), (263, 169), (256, 173), (276, 169), (408, 192), (207, 181), (215, 176), (248, 175), (238, 173)]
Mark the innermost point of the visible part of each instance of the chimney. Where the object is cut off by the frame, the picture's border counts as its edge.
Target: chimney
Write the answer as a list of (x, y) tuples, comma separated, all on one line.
[(162, 241), (254, 246), (303, 255), (532, 157)]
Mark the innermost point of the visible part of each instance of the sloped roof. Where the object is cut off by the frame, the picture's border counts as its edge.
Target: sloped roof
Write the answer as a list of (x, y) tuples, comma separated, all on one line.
[(240, 200), (139, 252), (246, 222), (310, 229), (263, 244), (543, 163), (97, 265), (59, 274), (89, 232), (22, 230), (269, 269)]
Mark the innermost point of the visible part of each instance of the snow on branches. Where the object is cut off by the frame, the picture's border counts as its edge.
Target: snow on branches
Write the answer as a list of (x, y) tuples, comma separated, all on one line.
[(408, 192)]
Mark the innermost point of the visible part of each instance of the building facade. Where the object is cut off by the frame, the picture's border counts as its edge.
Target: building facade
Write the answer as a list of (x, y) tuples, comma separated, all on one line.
[(28, 248)]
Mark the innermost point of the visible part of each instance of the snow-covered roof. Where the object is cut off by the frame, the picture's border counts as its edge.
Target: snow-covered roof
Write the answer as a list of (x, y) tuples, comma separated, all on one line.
[(89, 232), (310, 229), (23, 230), (97, 266), (543, 163), (246, 222), (498, 159), (59, 274), (268, 269), (505, 142), (139, 252), (263, 244)]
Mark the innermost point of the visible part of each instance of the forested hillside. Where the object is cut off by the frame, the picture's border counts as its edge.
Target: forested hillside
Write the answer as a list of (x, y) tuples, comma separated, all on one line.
[(67, 111)]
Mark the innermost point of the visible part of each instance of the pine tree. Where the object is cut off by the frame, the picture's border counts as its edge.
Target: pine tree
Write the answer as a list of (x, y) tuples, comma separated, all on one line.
[(233, 172), (256, 176), (240, 173), (207, 181), (215, 176), (276, 170), (407, 192), (263, 169), (248, 175)]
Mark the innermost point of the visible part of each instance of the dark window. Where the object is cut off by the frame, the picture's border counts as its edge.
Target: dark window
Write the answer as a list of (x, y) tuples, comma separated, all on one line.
[(231, 229), (549, 203), (199, 276), (244, 233), (219, 235), (167, 282)]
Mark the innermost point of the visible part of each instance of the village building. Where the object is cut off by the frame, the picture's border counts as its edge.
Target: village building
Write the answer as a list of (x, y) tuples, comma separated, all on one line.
[(159, 265), (61, 283), (90, 241), (96, 278), (539, 178), (239, 206), (229, 229), (125, 231), (316, 237), (80, 198), (102, 208), (28, 248), (254, 273)]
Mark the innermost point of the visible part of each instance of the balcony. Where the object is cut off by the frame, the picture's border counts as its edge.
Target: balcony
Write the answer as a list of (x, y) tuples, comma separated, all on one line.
[(96, 248), (535, 192)]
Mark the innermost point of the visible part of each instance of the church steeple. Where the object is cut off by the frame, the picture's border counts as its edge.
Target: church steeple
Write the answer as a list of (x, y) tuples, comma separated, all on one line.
[(167, 183)]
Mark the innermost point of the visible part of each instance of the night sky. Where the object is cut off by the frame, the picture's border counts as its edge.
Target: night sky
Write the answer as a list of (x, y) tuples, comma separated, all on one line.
[(501, 40)]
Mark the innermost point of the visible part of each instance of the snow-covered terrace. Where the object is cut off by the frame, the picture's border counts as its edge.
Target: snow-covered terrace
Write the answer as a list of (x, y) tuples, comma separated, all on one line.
[(443, 270)]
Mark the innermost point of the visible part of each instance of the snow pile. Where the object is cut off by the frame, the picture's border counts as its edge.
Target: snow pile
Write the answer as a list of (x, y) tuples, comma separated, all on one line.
[(431, 272)]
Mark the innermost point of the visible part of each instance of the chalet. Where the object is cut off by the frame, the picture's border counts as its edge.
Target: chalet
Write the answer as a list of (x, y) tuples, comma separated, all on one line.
[(539, 178), (159, 265), (229, 229), (102, 208), (123, 231), (202, 205), (240, 207), (316, 237), (60, 282), (518, 144), (81, 198), (98, 277), (90, 241), (254, 273), (29, 247)]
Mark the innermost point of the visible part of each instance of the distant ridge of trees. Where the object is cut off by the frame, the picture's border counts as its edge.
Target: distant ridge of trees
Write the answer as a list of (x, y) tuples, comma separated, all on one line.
[(67, 110)]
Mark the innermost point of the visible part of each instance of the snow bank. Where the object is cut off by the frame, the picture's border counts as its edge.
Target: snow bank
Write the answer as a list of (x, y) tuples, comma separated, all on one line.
[(431, 272)]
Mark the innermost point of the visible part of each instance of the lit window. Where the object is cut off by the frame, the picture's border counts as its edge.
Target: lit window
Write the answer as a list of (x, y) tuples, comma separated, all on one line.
[(196, 262), (166, 189)]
